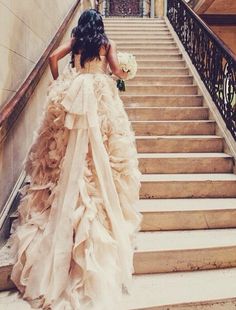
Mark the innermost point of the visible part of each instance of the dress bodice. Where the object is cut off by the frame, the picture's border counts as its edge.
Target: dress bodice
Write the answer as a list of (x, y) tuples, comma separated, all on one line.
[(92, 66)]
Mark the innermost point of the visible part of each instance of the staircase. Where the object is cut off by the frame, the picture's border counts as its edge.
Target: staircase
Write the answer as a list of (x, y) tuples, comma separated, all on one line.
[(186, 250)]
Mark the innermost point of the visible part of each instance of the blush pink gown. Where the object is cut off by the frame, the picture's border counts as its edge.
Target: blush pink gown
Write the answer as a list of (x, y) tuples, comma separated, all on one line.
[(75, 236)]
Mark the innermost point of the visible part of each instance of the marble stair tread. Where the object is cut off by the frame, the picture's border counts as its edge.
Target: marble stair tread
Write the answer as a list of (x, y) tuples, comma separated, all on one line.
[(161, 76), (189, 177), (140, 108), (165, 289), (185, 240), (162, 67), (183, 155), (174, 121), (180, 137), (192, 204), (164, 96)]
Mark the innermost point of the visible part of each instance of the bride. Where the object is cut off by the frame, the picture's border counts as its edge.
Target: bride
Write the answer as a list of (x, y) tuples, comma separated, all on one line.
[(77, 223)]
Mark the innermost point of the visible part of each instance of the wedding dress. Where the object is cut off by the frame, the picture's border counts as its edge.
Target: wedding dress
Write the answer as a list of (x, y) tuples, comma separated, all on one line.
[(75, 238)]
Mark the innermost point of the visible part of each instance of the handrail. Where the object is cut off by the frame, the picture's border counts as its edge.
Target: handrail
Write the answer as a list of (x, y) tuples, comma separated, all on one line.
[(12, 109), (214, 61)]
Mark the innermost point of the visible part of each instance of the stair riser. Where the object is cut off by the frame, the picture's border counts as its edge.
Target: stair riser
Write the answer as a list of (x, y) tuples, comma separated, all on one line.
[(223, 304), (121, 23), (161, 129), (157, 114), (138, 38), (158, 50), (184, 260), (161, 64), (138, 27), (162, 101), (173, 145), (133, 35), (186, 165), (160, 80), (166, 261), (139, 44), (161, 90), (188, 189), (153, 57), (188, 220), (151, 50), (136, 30), (162, 71)]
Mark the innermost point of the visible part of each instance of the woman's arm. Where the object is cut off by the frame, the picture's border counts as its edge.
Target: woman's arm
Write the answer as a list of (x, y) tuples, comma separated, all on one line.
[(114, 63), (59, 53)]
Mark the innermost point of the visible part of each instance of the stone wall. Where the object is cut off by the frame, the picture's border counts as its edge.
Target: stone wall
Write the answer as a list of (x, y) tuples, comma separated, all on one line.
[(26, 27), (27, 32)]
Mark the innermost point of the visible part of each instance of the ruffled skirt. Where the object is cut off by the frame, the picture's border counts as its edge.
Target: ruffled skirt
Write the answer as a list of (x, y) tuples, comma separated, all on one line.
[(74, 239)]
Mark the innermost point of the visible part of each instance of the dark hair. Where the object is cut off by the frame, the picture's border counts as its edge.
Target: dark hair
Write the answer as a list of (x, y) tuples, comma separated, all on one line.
[(89, 36)]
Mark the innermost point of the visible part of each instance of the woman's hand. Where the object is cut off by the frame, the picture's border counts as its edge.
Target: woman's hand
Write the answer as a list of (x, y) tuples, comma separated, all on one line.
[(126, 74)]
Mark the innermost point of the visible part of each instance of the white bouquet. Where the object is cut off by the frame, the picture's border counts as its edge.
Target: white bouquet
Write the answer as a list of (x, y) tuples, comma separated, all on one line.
[(128, 64)]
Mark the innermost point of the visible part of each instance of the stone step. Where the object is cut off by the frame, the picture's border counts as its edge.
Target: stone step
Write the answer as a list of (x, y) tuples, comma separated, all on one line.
[(185, 163), (154, 50), (161, 128), (161, 80), (162, 71), (139, 22), (152, 29), (169, 251), (162, 101), (205, 289), (179, 144), (161, 89), (162, 63), (156, 186), (199, 290), (183, 214), (135, 38), (139, 43), (156, 57), (167, 113), (137, 32), (139, 27)]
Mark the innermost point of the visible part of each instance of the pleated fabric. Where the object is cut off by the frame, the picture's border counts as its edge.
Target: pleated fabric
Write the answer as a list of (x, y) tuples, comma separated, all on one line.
[(75, 235)]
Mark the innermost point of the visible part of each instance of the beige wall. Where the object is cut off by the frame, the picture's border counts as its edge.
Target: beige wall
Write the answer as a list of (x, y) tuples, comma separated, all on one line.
[(14, 148), (26, 27), (227, 34), (222, 7)]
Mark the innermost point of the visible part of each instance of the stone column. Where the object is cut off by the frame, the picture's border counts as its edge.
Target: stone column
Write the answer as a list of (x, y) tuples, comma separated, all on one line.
[(102, 7), (152, 15), (159, 8)]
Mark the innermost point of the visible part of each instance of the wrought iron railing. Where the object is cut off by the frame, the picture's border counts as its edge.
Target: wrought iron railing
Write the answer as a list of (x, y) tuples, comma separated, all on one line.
[(214, 61)]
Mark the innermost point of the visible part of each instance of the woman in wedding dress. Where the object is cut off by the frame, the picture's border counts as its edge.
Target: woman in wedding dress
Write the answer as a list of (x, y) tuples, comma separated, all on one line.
[(77, 223)]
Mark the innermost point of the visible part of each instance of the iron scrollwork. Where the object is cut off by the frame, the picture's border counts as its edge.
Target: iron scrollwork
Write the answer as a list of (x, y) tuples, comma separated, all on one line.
[(215, 63), (137, 8)]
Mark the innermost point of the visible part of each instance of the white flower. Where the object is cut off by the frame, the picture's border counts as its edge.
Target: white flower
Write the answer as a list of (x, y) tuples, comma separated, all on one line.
[(128, 63)]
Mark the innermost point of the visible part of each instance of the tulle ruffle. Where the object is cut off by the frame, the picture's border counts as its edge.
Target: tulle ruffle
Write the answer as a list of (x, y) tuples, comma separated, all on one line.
[(77, 218)]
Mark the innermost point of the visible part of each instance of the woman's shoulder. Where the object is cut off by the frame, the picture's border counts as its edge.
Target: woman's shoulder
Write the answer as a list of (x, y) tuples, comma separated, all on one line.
[(105, 48)]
